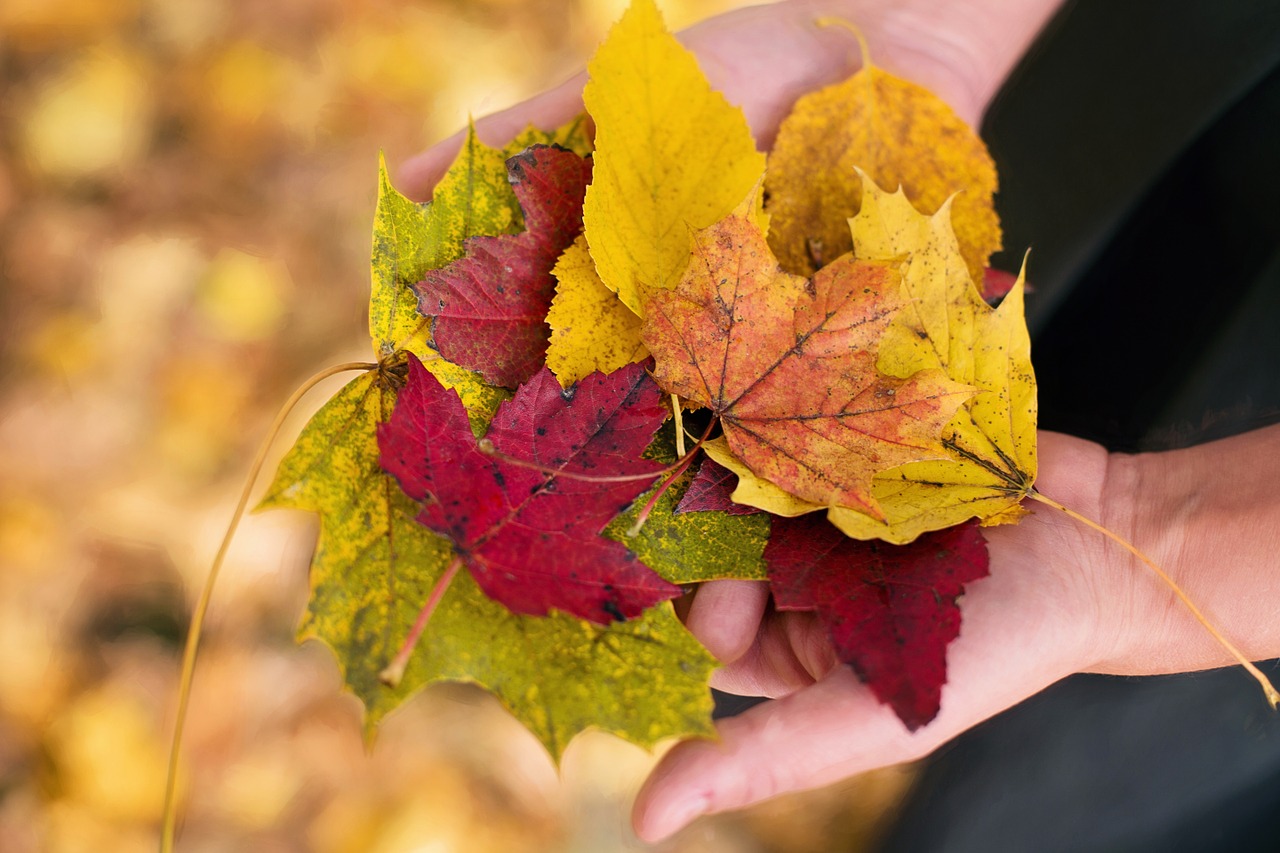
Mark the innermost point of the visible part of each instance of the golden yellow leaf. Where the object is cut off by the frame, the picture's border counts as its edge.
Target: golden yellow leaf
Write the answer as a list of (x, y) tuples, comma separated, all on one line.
[(590, 327), (991, 442), (899, 134), (672, 156)]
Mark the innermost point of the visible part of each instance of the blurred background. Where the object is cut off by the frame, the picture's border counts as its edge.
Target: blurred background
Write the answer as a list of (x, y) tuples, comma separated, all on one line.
[(186, 192)]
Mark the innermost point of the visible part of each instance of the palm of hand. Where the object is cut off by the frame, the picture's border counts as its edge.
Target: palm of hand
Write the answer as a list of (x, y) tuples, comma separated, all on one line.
[(1033, 621)]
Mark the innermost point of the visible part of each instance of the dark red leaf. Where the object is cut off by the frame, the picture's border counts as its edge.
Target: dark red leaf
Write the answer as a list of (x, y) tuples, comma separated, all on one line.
[(890, 610), (996, 284), (490, 306), (530, 538), (712, 490)]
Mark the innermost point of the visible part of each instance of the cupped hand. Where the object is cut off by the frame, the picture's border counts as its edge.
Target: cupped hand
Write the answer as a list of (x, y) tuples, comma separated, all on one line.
[(1038, 617), (1033, 621), (763, 58)]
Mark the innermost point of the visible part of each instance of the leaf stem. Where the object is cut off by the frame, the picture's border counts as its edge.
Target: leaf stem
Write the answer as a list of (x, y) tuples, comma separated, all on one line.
[(676, 470), (1268, 689), (678, 417), (206, 593), (395, 670), (486, 447), (841, 23)]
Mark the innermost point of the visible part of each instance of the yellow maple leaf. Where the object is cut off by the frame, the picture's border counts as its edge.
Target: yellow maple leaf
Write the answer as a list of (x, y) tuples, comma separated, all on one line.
[(897, 132), (991, 442), (672, 156)]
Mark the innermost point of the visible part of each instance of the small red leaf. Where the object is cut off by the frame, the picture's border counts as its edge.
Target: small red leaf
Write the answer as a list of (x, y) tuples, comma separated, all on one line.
[(890, 610), (996, 284), (530, 538), (712, 491), (490, 306)]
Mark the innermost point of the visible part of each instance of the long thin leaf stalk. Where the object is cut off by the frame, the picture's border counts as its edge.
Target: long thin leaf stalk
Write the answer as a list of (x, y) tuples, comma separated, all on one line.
[(394, 671), (680, 466), (1268, 689), (206, 593), (486, 447)]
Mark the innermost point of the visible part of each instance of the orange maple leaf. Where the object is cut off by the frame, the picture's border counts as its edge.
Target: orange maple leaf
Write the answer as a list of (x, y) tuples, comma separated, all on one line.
[(788, 364)]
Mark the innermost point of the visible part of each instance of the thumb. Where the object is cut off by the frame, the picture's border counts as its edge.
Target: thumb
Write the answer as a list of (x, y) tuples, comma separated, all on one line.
[(418, 175), (819, 735)]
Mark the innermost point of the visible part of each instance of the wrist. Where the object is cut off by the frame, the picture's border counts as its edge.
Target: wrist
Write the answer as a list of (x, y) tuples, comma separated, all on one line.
[(1207, 516)]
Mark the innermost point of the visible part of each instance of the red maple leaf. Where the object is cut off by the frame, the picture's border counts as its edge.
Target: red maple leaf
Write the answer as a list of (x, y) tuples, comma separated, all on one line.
[(890, 610), (996, 284), (712, 490), (490, 306), (530, 538)]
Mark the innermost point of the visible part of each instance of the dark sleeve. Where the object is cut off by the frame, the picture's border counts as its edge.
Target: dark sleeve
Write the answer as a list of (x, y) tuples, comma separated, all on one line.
[(1137, 147)]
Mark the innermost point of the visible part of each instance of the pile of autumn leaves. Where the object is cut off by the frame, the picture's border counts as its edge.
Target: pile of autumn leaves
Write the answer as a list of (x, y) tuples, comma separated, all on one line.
[(549, 321)]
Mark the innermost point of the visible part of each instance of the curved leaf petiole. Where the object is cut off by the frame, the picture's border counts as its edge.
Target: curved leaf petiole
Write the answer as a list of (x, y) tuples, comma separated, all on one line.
[(206, 593), (1268, 689)]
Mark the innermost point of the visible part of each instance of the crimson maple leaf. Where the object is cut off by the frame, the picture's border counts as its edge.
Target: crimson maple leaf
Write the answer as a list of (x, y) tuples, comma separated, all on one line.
[(528, 537), (712, 491), (490, 306), (890, 610)]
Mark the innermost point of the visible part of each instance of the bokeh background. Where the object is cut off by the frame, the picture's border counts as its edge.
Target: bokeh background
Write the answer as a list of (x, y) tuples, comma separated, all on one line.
[(186, 192)]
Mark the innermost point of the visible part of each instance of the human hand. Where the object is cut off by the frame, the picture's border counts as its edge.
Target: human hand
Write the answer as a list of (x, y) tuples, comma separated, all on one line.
[(1060, 599), (1041, 614), (763, 58)]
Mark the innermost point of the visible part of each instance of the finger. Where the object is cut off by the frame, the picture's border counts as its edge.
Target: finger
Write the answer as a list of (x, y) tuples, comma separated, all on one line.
[(1021, 633), (790, 652), (829, 731), (725, 616), (418, 175), (760, 58)]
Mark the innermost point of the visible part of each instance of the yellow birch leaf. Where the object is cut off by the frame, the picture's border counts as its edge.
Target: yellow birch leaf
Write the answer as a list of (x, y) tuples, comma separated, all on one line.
[(899, 134), (590, 327), (672, 156), (991, 441)]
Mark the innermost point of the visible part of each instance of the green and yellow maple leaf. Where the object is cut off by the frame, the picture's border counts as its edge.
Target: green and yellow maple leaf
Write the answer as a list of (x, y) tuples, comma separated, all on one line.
[(691, 547), (375, 565)]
